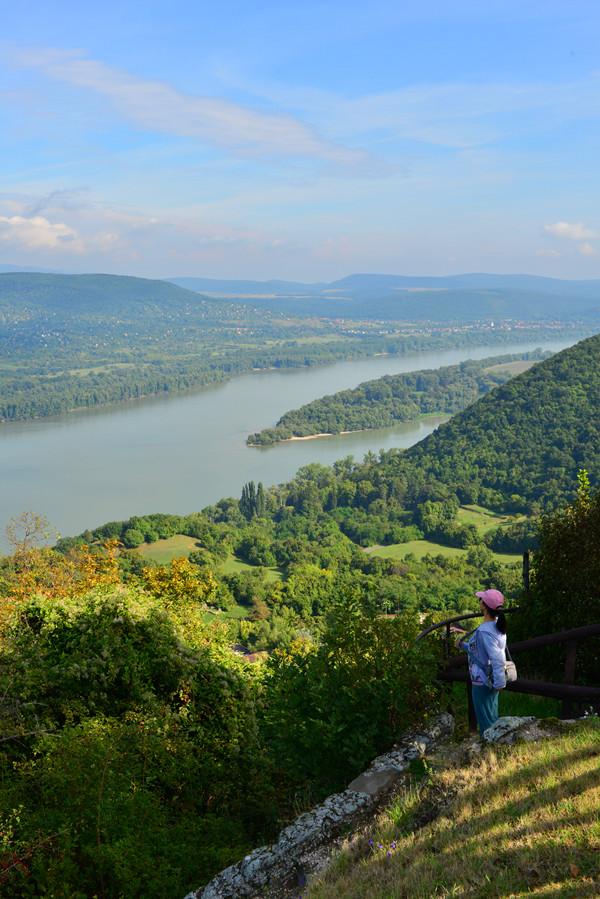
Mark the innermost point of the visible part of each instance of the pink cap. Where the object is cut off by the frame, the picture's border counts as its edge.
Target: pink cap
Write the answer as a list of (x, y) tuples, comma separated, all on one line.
[(492, 598)]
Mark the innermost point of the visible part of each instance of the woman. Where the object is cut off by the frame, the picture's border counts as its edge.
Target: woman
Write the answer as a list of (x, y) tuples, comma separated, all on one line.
[(486, 648)]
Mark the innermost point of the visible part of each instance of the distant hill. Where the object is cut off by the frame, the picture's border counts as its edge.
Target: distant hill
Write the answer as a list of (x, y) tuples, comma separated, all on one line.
[(476, 281), (464, 305), (462, 298), (241, 288), (34, 304), (92, 294)]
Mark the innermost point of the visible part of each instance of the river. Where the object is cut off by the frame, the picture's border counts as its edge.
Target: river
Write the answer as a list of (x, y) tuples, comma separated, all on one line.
[(182, 452)]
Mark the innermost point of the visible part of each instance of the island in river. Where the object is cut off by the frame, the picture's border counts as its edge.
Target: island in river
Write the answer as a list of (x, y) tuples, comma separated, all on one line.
[(392, 399)]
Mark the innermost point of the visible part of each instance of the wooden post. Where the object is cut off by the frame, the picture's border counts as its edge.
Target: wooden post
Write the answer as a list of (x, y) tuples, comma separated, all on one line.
[(567, 706), (526, 572)]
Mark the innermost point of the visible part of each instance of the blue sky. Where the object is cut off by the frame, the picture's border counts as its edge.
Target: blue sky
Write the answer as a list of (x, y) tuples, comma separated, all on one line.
[(301, 140)]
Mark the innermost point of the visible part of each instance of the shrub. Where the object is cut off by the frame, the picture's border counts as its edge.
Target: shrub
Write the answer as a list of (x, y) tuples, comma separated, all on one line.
[(145, 775), (331, 708)]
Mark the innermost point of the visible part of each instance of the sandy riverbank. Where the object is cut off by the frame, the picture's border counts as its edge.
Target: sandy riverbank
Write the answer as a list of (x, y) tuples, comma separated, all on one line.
[(328, 434)]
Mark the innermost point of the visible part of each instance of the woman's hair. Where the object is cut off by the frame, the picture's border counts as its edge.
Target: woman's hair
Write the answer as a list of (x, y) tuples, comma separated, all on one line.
[(499, 616)]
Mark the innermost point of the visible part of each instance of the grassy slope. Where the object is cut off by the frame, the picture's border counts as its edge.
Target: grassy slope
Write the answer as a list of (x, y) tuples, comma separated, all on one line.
[(164, 551), (517, 821), (483, 519), (421, 548)]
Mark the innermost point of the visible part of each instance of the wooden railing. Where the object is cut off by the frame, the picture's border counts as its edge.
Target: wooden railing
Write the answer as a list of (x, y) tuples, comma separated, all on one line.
[(454, 668)]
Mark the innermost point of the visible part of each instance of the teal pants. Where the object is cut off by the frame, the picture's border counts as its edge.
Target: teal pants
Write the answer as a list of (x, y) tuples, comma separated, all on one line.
[(485, 701)]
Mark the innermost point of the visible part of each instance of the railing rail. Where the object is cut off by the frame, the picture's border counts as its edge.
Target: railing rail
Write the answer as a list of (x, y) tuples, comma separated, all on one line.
[(568, 691)]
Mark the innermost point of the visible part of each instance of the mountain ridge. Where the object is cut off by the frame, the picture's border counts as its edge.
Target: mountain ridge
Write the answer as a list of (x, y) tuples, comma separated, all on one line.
[(470, 297)]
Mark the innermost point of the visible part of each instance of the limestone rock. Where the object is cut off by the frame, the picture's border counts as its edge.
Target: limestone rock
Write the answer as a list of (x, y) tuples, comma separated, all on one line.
[(286, 859), (512, 729)]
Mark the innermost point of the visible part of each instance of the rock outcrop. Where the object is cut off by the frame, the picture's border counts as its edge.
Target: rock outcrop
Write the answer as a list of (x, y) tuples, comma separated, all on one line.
[(289, 859), (512, 729)]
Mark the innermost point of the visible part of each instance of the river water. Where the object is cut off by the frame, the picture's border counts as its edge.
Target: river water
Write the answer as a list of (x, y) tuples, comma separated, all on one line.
[(182, 452)]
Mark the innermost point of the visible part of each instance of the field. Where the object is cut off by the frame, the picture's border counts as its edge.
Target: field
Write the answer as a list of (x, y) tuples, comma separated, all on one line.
[(483, 519), (233, 565), (164, 551), (421, 548), (516, 368), (234, 612)]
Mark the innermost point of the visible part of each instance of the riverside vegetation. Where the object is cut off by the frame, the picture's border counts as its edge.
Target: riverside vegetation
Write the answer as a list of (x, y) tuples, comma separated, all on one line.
[(177, 758), (73, 341)]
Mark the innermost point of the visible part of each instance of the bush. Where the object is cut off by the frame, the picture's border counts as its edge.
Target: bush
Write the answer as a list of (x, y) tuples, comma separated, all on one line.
[(95, 654), (140, 807), (137, 760), (133, 538), (330, 709)]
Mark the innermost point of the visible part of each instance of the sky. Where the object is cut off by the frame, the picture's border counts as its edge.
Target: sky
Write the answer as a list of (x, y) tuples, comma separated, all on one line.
[(301, 140)]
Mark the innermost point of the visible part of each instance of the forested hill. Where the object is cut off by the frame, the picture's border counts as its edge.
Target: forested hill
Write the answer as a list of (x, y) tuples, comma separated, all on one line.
[(526, 440), (95, 297)]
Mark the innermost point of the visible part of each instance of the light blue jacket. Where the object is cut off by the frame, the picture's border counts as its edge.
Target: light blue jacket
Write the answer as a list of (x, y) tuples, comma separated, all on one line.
[(489, 646)]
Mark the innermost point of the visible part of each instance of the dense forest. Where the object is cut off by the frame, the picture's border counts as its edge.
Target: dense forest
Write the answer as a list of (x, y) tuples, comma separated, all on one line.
[(524, 443), (71, 341), (395, 398)]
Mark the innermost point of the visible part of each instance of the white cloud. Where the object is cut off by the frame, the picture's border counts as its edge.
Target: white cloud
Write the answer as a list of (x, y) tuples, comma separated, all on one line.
[(159, 107), (452, 114), (554, 253), (586, 249), (571, 232), (37, 233)]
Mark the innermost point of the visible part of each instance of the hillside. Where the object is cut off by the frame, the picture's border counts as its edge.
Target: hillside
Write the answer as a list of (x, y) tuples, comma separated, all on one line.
[(508, 821), (524, 442), (30, 297)]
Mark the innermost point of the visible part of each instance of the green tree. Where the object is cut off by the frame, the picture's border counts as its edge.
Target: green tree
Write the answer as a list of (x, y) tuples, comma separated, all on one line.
[(565, 582)]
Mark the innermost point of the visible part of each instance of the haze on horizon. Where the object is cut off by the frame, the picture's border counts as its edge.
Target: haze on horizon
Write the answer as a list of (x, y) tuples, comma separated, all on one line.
[(302, 141)]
